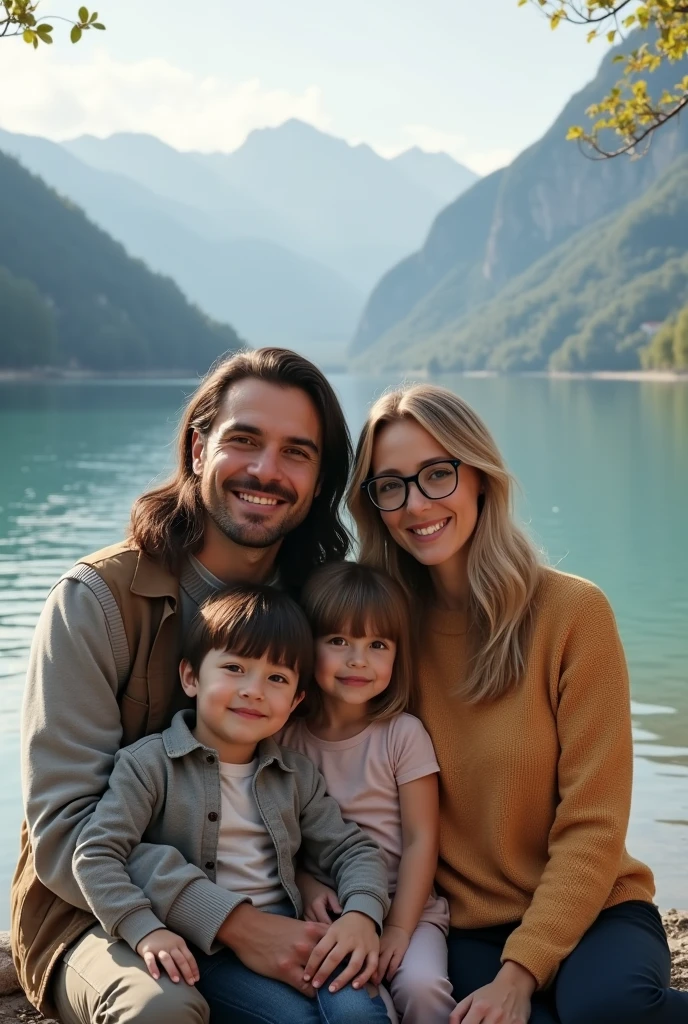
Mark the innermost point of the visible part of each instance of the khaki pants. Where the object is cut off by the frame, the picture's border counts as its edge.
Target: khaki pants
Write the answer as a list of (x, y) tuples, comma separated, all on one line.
[(101, 980)]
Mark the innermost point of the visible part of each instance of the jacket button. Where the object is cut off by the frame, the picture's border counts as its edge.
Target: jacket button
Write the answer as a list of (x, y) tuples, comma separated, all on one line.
[(209, 865), (210, 759), (213, 816)]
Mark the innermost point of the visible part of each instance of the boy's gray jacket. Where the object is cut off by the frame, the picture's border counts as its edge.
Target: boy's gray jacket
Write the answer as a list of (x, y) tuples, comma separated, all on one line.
[(165, 790)]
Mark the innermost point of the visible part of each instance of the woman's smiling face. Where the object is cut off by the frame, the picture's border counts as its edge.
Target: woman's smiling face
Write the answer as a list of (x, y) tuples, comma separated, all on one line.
[(402, 448)]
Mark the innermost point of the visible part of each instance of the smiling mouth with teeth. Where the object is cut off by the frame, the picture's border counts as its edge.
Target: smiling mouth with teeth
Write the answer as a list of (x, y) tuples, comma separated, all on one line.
[(427, 531), (254, 500)]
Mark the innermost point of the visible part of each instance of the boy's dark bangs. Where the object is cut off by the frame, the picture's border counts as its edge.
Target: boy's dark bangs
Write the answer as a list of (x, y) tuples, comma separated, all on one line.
[(261, 623), (267, 633)]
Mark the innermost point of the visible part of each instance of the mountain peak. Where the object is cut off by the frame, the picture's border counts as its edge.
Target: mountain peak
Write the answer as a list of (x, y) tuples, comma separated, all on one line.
[(139, 139)]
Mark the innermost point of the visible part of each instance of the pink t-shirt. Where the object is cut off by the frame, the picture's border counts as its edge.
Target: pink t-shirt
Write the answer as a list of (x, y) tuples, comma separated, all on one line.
[(364, 773)]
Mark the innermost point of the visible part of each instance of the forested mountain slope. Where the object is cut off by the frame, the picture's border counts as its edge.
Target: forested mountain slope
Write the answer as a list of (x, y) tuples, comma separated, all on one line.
[(69, 294)]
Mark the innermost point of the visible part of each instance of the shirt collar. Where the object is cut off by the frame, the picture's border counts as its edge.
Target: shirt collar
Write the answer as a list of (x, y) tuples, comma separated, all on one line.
[(180, 741), (199, 585)]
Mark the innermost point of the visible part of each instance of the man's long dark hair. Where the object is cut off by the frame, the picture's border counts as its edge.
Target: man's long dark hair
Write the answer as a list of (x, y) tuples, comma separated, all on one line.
[(167, 522)]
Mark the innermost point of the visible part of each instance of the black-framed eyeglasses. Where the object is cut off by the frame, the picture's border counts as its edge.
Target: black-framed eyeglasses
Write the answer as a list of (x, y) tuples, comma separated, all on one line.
[(437, 480)]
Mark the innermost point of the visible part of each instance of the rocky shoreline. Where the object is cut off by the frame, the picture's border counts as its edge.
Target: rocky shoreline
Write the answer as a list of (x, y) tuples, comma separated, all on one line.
[(14, 1009)]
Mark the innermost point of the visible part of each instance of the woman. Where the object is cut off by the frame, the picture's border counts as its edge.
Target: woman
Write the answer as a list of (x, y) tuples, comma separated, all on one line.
[(524, 690)]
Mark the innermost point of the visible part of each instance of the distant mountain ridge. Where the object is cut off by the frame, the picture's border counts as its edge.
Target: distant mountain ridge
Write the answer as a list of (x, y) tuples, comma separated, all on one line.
[(341, 205), (423, 307), (272, 294), (283, 237)]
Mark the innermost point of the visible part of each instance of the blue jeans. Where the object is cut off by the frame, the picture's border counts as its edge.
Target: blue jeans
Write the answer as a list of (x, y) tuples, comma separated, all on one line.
[(237, 995), (617, 974)]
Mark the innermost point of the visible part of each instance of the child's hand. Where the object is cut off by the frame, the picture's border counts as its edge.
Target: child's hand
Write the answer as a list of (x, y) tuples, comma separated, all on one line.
[(393, 946), (354, 935), (320, 903), (172, 952)]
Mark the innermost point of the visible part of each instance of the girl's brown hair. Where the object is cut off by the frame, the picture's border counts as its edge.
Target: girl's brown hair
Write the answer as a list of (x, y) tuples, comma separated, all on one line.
[(252, 622), (503, 565), (345, 597)]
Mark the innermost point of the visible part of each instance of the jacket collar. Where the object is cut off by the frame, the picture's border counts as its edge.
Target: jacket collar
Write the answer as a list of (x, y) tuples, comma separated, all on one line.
[(151, 579), (180, 741)]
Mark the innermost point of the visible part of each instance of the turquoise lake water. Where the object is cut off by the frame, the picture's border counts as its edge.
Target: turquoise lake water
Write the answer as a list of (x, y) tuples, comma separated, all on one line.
[(603, 468)]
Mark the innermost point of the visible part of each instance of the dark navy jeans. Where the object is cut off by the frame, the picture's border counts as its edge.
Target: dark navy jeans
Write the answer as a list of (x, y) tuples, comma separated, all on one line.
[(617, 974), (237, 994)]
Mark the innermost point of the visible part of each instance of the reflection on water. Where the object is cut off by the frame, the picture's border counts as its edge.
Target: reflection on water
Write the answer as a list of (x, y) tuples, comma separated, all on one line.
[(603, 468)]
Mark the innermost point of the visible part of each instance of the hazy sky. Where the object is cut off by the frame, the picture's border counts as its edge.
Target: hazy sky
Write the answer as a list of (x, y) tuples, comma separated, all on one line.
[(480, 79)]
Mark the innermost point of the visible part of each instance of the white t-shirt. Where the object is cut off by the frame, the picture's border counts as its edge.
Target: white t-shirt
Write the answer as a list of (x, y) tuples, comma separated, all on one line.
[(246, 855)]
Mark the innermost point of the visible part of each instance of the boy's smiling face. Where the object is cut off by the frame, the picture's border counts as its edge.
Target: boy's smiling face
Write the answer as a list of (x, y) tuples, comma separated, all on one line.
[(239, 701)]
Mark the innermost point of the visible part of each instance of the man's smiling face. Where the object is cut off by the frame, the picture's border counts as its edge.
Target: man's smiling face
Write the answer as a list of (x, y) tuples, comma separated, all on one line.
[(259, 465)]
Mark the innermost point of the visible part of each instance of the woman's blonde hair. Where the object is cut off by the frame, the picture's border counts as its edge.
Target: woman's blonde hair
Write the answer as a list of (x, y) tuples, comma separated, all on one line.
[(345, 597), (503, 569)]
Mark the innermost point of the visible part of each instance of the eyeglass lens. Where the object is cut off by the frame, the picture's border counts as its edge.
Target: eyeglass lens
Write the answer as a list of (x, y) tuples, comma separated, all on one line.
[(436, 481)]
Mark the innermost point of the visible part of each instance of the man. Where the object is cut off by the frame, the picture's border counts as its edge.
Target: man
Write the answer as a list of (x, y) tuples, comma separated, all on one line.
[(263, 460)]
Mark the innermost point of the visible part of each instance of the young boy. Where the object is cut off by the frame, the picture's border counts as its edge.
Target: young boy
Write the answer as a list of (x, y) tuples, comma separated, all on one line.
[(226, 806)]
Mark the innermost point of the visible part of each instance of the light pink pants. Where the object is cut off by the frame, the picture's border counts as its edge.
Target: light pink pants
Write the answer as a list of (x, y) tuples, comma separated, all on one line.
[(421, 990)]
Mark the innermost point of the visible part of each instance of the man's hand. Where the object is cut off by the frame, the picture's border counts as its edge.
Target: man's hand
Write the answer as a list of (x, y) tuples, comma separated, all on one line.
[(172, 952), (271, 945), (320, 903), (354, 935), (506, 1000), (393, 946)]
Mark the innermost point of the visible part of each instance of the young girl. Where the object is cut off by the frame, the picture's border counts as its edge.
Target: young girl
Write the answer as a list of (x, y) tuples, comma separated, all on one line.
[(380, 766)]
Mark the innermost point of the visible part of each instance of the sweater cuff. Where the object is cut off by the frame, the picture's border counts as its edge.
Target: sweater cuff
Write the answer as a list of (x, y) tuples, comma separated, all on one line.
[(137, 925), (368, 905), (534, 956), (200, 910)]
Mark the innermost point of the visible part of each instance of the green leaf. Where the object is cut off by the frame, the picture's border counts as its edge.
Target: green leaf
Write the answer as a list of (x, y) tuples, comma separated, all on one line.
[(99, 25), (29, 36), (75, 34), (44, 32), (83, 15), (94, 17)]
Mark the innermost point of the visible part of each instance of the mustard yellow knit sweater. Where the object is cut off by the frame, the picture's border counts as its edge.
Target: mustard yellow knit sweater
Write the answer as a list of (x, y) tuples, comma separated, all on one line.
[(535, 787)]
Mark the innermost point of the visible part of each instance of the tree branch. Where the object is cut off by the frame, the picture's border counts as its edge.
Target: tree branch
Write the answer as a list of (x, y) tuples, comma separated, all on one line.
[(660, 118), (595, 19)]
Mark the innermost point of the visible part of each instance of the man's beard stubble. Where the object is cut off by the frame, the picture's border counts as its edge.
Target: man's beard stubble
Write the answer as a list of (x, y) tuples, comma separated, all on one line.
[(255, 533)]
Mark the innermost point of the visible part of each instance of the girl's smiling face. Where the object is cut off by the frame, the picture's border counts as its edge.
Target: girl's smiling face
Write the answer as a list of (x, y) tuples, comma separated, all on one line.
[(437, 531), (353, 669)]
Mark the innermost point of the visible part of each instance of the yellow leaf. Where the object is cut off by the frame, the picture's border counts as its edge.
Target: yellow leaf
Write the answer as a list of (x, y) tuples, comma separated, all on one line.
[(574, 133)]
